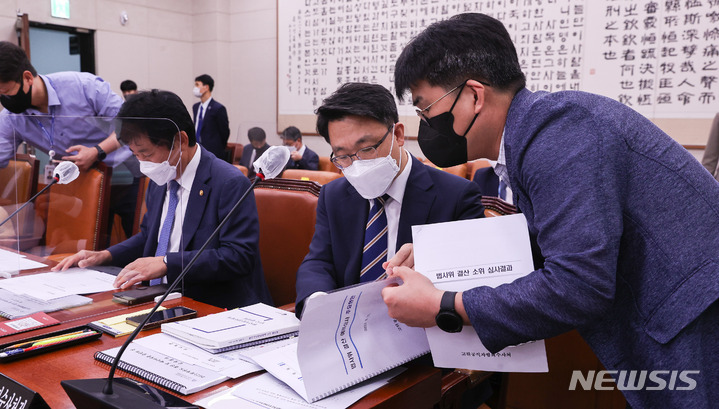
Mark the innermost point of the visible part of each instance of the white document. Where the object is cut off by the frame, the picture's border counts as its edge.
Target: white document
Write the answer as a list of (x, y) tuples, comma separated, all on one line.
[(48, 286), (231, 364), (19, 305), (461, 255), (266, 391), (346, 337), (13, 262), (234, 329), (162, 369)]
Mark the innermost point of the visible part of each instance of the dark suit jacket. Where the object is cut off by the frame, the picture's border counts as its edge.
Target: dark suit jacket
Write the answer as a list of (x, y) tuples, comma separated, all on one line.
[(215, 127), (487, 180), (229, 272), (335, 255), (247, 154), (626, 220), (310, 161)]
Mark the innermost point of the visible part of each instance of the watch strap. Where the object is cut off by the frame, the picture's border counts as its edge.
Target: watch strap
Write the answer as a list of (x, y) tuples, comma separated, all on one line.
[(101, 154), (447, 303)]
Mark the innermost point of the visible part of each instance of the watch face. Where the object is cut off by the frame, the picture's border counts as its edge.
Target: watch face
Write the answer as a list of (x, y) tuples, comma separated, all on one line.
[(449, 321)]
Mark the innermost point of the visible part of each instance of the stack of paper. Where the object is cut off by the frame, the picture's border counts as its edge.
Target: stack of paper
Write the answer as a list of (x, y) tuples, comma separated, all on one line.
[(234, 329), (48, 292), (11, 263)]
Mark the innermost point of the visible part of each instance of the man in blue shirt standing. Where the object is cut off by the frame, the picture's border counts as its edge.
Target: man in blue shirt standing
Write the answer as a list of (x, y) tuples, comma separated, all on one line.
[(43, 111), (66, 115)]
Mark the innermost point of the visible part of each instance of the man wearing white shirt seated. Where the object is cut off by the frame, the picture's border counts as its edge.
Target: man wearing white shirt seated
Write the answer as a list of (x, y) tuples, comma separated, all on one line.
[(191, 192), (365, 216)]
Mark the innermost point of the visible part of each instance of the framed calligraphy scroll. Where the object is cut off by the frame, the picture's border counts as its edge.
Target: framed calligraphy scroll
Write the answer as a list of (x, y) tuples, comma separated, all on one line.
[(661, 57)]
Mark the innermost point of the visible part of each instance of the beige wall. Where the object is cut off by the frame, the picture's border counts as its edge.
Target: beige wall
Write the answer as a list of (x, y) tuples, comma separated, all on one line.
[(167, 43)]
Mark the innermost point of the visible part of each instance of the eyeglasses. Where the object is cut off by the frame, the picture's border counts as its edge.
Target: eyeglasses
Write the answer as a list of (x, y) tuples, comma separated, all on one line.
[(420, 112), (370, 152)]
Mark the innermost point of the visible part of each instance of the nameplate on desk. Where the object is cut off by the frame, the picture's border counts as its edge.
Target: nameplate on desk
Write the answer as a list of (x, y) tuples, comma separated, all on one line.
[(16, 395)]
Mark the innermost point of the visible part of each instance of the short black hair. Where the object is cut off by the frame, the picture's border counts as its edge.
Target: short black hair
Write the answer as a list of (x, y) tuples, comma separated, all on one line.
[(465, 46), (156, 114), (356, 98), (292, 132), (207, 80), (13, 62), (128, 85), (256, 134)]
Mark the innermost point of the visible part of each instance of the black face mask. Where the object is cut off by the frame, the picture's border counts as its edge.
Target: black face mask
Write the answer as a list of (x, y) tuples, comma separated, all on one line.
[(440, 143), (19, 102)]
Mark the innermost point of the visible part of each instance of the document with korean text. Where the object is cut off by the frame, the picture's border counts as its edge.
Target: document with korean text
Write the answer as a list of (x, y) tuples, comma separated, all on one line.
[(345, 337), (460, 255)]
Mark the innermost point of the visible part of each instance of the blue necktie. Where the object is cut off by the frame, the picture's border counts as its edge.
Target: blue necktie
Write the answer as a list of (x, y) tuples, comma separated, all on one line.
[(200, 117), (375, 242), (166, 229), (502, 190)]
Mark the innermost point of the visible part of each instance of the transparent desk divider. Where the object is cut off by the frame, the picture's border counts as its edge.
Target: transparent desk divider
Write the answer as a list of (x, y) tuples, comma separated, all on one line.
[(75, 213)]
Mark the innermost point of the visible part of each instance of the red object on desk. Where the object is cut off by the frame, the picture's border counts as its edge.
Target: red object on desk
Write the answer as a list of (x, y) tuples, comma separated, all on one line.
[(28, 323)]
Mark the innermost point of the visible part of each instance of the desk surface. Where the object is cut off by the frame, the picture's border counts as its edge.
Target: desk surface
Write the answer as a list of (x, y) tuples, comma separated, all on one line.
[(418, 387)]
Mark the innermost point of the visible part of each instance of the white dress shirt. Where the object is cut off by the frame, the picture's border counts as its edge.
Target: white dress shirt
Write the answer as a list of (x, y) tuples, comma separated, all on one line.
[(393, 205), (203, 106), (183, 196)]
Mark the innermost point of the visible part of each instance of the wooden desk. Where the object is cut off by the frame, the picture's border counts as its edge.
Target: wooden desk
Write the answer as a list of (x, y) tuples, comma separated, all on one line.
[(418, 387)]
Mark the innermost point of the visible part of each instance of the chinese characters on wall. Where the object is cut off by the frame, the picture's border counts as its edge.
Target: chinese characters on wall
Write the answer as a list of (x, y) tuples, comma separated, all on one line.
[(659, 57)]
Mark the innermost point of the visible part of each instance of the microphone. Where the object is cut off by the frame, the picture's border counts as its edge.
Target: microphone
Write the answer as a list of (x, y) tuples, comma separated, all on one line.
[(131, 394), (273, 161), (64, 173)]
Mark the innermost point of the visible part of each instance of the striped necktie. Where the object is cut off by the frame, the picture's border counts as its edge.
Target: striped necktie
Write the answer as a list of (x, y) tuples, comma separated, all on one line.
[(375, 242), (166, 230)]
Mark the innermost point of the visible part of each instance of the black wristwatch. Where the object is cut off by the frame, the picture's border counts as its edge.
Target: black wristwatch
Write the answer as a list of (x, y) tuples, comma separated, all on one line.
[(447, 319), (101, 155)]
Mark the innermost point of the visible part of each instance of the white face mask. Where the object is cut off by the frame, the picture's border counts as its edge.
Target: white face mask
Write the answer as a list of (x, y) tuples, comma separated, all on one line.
[(196, 92), (292, 148), (160, 173), (371, 178)]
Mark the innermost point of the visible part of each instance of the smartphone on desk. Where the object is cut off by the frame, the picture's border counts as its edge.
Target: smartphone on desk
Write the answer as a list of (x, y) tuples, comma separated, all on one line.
[(139, 294), (160, 317)]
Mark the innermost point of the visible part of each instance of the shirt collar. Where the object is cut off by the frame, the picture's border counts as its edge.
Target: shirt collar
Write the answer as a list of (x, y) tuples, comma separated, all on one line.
[(188, 176), (302, 150), (396, 189), (500, 168), (52, 98), (206, 104)]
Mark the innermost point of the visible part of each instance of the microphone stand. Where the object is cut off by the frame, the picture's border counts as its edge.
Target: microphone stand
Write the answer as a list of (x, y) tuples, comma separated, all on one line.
[(54, 180), (84, 392)]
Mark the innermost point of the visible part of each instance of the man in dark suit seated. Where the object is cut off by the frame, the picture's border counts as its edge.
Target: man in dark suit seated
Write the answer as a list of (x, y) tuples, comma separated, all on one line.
[(301, 157), (211, 124), (253, 150), (190, 193), (382, 183)]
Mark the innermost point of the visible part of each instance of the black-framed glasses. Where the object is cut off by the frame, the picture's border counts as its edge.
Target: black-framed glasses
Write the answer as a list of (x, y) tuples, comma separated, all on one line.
[(370, 152), (420, 112)]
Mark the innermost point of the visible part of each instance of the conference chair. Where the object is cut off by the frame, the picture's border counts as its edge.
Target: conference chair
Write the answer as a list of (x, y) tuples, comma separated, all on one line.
[(140, 205), (327, 165), (287, 212), (319, 176), (77, 213), (18, 180), (242, 169), (459, 170), (233, 152)]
